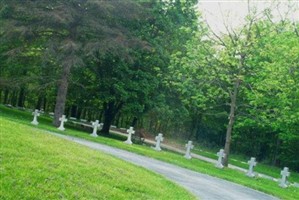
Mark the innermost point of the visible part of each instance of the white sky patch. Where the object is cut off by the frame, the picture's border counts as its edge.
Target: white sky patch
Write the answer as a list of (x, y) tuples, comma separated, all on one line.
[(233, 12)]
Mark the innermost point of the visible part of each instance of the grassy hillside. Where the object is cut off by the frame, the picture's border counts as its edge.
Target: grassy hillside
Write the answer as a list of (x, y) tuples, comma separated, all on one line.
[(35, 165)]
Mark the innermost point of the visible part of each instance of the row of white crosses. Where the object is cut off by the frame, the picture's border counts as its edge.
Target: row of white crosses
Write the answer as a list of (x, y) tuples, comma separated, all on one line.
[(63, 119), (36, 114), (252, 163), (159, 138)]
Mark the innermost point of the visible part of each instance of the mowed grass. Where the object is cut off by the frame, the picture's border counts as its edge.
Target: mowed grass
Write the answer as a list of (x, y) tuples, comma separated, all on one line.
[(267, 186), (35, 165)]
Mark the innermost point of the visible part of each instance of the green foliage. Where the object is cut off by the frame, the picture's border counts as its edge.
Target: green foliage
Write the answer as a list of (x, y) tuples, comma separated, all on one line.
[(72, 34), (124, 47), (263, 58)]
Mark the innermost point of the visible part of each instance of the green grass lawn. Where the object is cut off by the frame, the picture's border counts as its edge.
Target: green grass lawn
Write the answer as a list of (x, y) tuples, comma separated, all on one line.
[(35, 165), (260, 184)]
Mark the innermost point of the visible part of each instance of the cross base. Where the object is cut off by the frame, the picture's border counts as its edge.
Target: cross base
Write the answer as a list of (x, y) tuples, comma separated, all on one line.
[(283, 185), (94, 135), (61, 128), (34, 122), (250, 174), (219, 165), (128, 142), (157, 148), (187, 156)]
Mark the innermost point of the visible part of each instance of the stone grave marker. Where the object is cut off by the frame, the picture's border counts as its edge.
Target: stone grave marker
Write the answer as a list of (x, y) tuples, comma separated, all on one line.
[(62, 119), (283, 181), (189, 146), (220, 155), (159, 138), (95, 126), (130, 131), (252, 164), (35, 115)]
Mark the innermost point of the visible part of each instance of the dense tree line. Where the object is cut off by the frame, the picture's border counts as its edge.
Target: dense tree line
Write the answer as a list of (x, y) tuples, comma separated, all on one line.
[(109, 51), (250, 77), (153, 65)]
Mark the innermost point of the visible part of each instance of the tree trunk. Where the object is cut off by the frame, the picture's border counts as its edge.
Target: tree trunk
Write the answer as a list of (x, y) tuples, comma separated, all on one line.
[(122, 121), (5, 100), (141, 122), (134, 121), (61, 94), (21, 99), (45, 103), (74, 109), (79, 112), (14, 99), (110, 110), (1, 91), (117, 119), (89, 115), (108, 118), (83, 113), (39, 103), (101, 115), (231, 122), (275, 160)]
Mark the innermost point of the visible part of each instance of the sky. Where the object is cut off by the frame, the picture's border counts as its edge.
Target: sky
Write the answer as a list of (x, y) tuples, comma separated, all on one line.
[(232, 12)]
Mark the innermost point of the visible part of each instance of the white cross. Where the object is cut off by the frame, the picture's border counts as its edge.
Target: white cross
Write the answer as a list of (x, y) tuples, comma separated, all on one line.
[(130, 131), (252, 164), (62, 119), (36, 114), (95, 125), (159, 138), (220, 155), (283, 181), (189, 146)]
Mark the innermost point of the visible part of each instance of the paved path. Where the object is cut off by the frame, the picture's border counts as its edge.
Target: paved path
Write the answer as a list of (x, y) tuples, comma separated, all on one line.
[(202, 186)]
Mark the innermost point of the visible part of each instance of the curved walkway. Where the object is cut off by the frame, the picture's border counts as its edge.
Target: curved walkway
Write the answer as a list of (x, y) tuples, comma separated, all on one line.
[(201, 185)]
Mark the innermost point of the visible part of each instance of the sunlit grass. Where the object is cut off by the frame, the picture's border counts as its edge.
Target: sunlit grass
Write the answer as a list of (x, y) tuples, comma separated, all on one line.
[(35, 165)]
